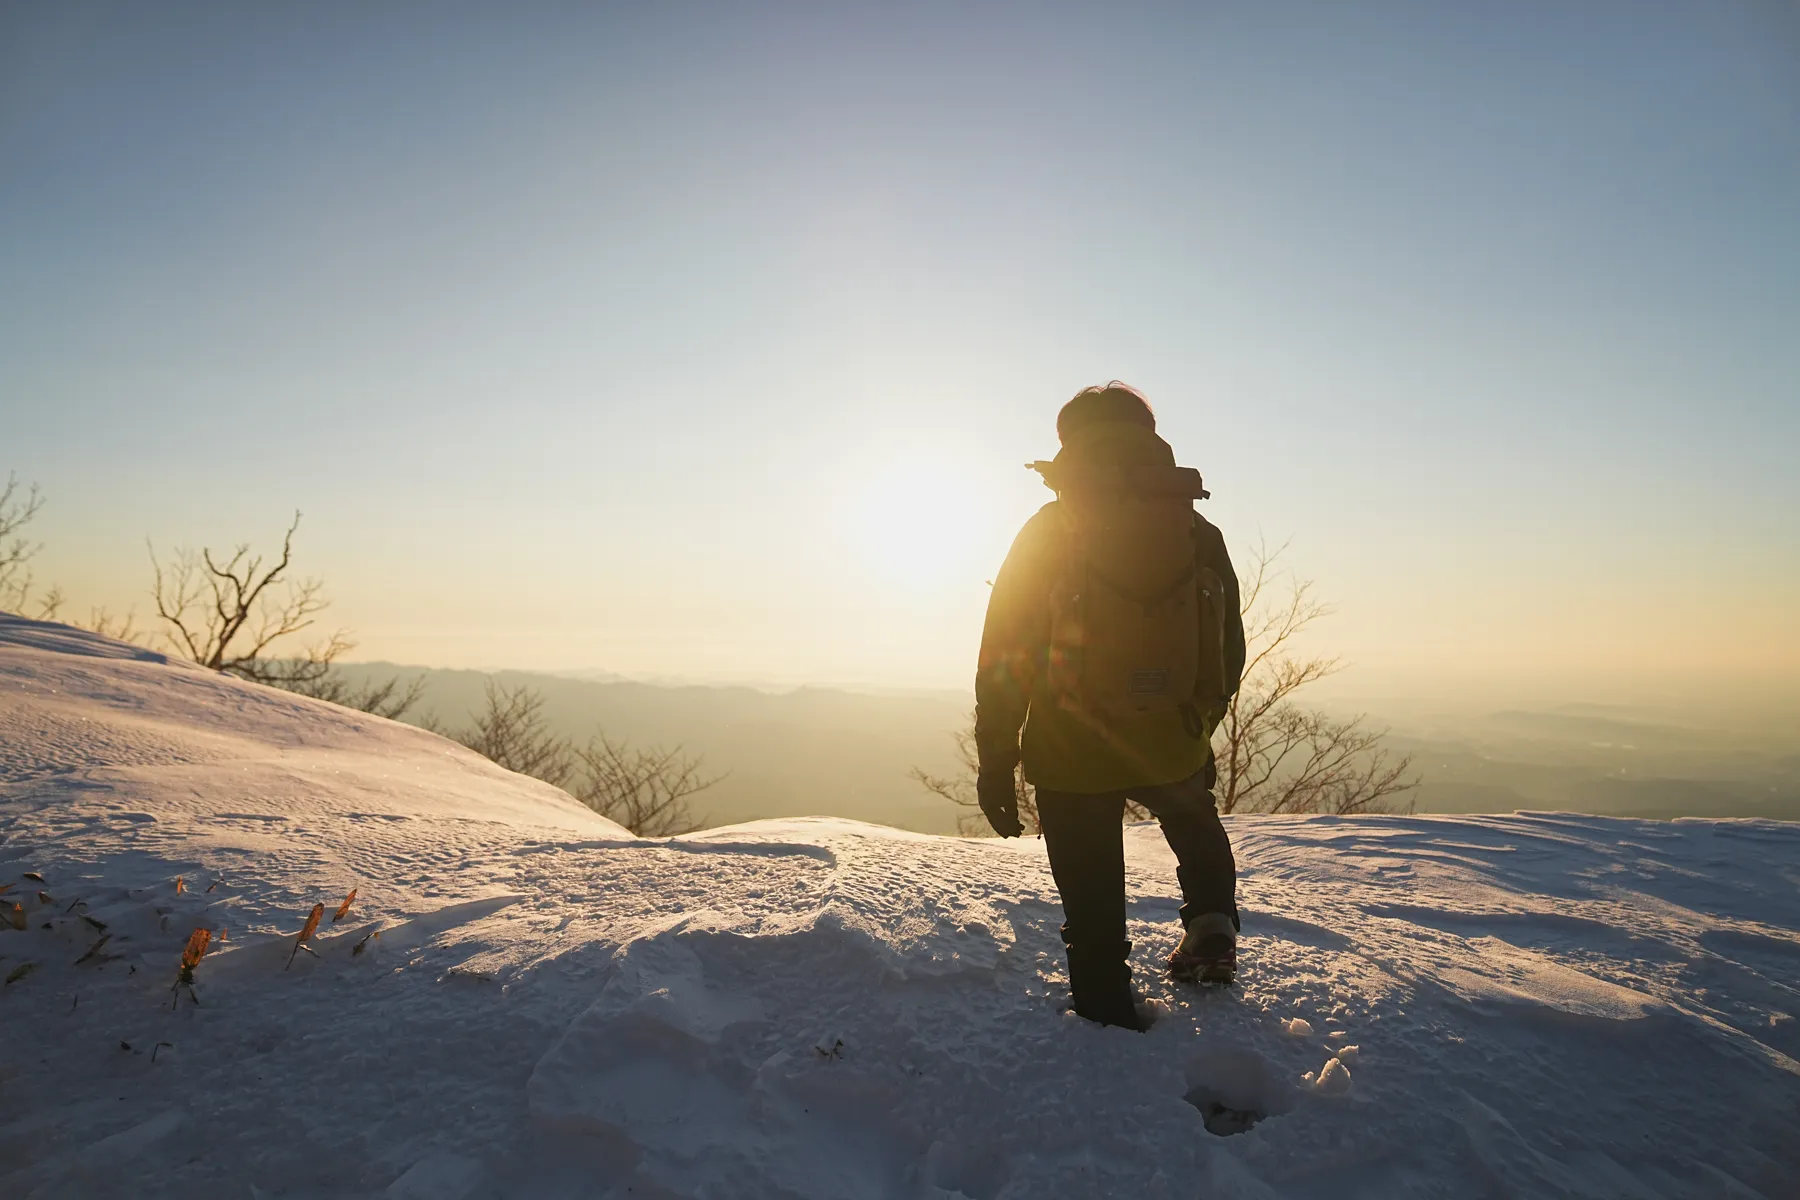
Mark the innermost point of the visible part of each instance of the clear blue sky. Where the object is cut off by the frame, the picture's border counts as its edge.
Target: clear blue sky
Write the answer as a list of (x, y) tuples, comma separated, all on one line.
[(708, 340)]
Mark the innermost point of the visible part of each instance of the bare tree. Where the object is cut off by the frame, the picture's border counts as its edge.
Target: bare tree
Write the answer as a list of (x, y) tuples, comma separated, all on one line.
[(512, 731), (229, 615), (17, 508), (102, 622), (646, 791), (959, 789), (1272, 755), (16, 582), (225, 615), (385, 699)]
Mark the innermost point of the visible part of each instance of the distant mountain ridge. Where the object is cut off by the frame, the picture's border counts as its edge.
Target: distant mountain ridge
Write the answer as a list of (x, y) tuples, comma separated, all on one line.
[(838, 751), (803, 751)]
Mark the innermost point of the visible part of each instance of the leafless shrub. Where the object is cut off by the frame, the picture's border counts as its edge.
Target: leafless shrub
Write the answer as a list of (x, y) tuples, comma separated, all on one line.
[(229, 615), (1272, 755), (959, 789), (1275, 757), (646, 791), (17, 585), (512, 731), (17, 508), (102, 622), (388, 698)]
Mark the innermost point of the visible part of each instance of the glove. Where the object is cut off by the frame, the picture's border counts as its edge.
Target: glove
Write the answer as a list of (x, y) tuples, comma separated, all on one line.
[(999, 799)]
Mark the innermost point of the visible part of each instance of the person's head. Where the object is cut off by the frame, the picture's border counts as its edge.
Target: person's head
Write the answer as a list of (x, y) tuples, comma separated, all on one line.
[(1113, 401)]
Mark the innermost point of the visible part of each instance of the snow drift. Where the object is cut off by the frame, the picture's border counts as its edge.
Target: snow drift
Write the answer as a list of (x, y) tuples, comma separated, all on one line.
[(526, 1001)]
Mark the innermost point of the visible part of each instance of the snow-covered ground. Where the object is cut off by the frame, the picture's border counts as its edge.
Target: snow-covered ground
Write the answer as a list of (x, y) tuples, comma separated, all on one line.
[(1502, 1006)]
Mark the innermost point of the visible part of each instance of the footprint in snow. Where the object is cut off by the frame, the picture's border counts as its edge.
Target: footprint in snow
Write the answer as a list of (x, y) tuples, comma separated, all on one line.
[(1234, 1087)]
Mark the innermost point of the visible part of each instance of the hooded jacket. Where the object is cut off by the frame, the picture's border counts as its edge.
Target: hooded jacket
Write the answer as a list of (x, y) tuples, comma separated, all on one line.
[(1069, 751)]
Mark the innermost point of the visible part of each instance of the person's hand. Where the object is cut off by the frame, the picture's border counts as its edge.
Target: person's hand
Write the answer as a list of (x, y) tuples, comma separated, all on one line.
[(999, 801)]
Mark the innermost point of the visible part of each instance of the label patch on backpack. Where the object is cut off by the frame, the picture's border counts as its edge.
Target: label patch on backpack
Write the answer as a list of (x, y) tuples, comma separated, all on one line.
[(1149, 683)]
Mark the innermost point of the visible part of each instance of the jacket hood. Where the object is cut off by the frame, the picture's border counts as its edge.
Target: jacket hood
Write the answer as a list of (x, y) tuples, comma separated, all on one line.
[(1119, 455)]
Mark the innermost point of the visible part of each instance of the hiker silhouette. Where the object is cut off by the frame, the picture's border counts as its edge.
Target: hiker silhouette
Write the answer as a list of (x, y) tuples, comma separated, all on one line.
[(1112, 644)]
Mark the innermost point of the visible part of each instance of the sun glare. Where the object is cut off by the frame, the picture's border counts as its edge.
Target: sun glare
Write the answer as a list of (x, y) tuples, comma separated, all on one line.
[(919, 522)]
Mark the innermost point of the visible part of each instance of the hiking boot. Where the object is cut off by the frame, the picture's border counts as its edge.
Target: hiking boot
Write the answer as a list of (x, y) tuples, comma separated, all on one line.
[(1208, 951), (1100, 986), (1124, 1008)]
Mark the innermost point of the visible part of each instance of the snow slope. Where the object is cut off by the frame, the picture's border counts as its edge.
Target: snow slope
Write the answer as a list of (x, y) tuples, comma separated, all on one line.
[(1506, 1006)]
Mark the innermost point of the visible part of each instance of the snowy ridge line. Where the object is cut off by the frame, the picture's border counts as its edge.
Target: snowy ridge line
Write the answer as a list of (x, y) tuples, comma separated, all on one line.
[(684, 844), (1428, 1007)]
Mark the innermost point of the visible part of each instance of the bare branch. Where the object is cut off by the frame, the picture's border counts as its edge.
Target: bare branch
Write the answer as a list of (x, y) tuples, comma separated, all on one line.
[(385, 699), (102, 622), (1276, 757), (512, 731), (175, 592), (231, 615), (207, 607), (646, 791), (1272, 756), (959, 789), (16, 551)]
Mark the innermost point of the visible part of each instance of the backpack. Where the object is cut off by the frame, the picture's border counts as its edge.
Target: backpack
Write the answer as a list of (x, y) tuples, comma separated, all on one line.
[(1137, 622)]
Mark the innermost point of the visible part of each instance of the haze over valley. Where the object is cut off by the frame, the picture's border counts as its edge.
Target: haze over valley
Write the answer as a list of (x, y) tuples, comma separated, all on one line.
[(788, 751)]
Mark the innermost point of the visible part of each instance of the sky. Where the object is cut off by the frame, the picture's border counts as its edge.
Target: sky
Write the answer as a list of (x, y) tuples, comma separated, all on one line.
[(708, 341)]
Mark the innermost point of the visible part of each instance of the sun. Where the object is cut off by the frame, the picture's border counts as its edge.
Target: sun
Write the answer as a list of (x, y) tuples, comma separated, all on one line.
[(918, 522)]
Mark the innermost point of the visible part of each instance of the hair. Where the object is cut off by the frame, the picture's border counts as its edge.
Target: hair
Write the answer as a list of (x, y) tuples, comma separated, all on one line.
[(1113, 401)]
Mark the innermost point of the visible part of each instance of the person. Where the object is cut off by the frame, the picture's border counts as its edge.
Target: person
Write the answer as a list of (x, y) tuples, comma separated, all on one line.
[(1112, 645)]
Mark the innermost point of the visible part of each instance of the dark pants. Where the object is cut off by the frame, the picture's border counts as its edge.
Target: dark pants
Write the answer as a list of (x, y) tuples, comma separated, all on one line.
[(1085, 839)]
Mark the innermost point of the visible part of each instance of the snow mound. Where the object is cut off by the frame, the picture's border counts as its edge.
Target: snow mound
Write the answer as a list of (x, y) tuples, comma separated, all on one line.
[(98, 724), (525, 1001)]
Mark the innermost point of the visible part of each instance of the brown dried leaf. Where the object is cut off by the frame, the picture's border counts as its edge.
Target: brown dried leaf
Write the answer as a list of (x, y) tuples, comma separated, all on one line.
[(33, 876), (343, 910), (6, 887), (196, 949), (17, 916), (312, 927), (180, 885), (19, 972), (190, 958)]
